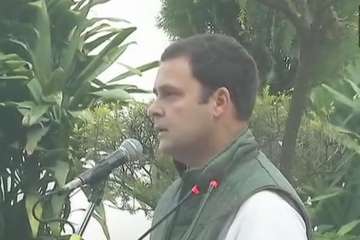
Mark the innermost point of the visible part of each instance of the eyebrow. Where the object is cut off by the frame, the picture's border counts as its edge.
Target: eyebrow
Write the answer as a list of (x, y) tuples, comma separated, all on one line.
[(165, 87)]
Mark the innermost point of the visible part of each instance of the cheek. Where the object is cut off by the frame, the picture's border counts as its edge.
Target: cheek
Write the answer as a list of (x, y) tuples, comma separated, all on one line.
[(196, 118), (188, 114), (177, 110)]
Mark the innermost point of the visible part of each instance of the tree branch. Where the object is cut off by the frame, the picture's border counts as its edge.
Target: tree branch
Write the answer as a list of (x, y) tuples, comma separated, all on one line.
[(288, 10), (307, 18), (320, 14), (133, 193), (113, 206), (328, 4), (147, 171)]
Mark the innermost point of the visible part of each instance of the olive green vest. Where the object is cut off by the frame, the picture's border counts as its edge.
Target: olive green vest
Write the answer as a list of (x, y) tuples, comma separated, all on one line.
[(242, 170)]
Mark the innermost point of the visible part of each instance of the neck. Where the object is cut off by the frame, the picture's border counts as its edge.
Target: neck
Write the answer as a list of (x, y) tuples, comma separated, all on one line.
[(216, 144)]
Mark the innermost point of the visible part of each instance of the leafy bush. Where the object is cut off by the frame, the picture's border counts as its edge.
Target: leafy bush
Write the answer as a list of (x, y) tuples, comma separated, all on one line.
[(48, 79), (143, 180), (337, 208)]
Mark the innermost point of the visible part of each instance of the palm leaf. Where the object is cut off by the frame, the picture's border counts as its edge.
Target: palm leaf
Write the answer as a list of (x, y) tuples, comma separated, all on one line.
[(343, 98), (41, 51), (102, 61), (113, 94), (135, 71)]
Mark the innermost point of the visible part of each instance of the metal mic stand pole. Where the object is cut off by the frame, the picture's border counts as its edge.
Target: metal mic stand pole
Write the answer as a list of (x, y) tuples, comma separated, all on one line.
[(97, 193)]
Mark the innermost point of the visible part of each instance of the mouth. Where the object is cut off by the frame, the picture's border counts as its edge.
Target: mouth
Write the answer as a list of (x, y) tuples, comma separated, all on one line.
[(161, 129)]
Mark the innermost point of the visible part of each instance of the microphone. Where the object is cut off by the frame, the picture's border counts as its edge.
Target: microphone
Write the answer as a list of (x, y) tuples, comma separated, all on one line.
[(129, 150), (195, 190)]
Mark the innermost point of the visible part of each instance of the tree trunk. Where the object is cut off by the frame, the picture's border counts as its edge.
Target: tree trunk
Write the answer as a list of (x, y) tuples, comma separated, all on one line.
[(299, 100)]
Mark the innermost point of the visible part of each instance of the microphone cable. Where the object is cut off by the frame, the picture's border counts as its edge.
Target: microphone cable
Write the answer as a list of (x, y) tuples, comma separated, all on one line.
[(195, 190), (50, 220), (212, 185)]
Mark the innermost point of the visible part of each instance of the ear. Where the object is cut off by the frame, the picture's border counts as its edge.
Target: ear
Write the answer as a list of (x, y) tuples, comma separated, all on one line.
[(221, 102)]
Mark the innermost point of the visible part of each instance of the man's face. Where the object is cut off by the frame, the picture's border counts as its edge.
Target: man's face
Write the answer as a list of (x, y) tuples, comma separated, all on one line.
[(183, 121)]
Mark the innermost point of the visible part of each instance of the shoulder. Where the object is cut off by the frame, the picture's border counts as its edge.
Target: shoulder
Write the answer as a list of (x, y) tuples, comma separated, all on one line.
[(266, 215), (267, 200), (169, 195)]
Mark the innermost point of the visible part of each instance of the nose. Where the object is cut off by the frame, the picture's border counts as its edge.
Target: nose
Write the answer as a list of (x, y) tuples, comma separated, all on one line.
[(154, 110)]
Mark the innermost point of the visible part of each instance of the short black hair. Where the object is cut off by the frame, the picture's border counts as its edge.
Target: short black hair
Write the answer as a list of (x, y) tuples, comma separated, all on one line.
[(220, 61)]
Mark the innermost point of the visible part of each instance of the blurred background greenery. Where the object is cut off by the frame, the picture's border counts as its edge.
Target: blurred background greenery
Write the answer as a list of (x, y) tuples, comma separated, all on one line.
[(57, 117)]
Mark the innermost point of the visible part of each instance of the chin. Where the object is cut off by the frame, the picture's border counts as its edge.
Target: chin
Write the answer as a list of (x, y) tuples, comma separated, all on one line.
[(165, 147)]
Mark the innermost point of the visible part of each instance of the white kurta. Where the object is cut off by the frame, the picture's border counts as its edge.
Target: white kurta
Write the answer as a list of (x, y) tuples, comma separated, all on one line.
[(266, 216)]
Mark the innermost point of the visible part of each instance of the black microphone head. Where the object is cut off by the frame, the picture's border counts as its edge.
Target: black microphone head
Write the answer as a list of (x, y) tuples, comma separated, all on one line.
[(132, 148)]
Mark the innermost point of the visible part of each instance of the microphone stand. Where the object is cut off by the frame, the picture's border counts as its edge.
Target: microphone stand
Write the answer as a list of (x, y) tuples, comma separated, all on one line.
[(96, 195)]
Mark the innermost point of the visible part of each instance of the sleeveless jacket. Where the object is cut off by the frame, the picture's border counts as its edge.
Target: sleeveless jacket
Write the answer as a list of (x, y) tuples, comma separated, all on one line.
[(242, 170)]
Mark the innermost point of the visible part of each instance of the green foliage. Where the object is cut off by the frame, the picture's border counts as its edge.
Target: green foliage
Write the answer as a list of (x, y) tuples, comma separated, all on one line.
[(323, 174), (317, 152), (269, 37), (297, 44), (338, 203), (184, 18), (267, 122), (326, 166), (48, 80), (144, 180), (332, 236), (317, 155)]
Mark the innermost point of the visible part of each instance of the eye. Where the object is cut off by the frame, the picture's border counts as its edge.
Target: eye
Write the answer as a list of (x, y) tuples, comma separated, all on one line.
[(166, 94)]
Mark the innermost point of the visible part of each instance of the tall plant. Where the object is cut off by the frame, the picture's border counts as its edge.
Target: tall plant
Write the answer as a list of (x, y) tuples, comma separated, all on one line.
[(336, 199), (48, 79)]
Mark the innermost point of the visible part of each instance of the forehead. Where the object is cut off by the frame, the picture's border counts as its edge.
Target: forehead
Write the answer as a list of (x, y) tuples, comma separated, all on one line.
[(175, 72)]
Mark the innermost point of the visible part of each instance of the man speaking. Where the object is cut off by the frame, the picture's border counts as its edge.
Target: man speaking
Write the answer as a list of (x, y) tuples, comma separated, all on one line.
[(205, 92)]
